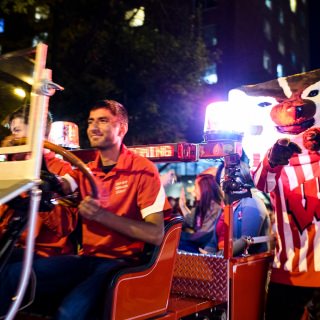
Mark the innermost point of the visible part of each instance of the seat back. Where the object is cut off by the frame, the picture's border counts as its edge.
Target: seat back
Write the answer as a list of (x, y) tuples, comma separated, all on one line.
[(143, 291)]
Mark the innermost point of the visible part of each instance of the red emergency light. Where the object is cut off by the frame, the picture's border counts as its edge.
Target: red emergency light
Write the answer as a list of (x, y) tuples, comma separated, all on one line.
[(219, 148), (167, 152)]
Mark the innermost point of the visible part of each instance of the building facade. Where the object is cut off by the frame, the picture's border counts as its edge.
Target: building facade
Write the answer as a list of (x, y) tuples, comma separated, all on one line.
[(254, 40)]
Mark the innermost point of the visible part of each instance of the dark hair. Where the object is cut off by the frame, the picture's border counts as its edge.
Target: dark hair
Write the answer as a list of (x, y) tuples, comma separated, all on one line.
[(219, 171), (244, 157), (23, 112), (116, 108), (245, 173), (209, 190)]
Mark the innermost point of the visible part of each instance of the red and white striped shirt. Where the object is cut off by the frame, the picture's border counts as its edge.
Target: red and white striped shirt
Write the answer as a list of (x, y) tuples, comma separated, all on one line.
[(295, 195)]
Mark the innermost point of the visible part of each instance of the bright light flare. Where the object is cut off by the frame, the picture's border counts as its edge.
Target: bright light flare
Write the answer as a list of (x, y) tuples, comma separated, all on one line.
[(19, 92), (65, 134), (223, 117), (136, 17), (259, 129)]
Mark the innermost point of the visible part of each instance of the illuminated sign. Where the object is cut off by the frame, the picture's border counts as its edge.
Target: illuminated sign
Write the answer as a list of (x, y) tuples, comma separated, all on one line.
[(168, 151), (183, 152), (160, 151), (218, 149)]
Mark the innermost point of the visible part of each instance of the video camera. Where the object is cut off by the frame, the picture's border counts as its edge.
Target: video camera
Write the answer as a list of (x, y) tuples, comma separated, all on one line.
[(233, 185)]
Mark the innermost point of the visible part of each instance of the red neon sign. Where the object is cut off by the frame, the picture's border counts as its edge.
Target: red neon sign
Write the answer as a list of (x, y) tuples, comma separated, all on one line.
[(159, 151), (218, 149), (167, 152)]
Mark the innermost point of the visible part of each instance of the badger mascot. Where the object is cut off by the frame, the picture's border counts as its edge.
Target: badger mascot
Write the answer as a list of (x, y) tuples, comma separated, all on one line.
[(288, 111)]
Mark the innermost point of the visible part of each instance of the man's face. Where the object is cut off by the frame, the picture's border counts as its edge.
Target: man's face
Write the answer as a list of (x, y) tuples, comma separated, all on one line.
[(18, 128), (104, 129)]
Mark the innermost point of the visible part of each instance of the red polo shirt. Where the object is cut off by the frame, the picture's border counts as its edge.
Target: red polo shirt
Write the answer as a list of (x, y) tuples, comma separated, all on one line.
[(52, 228), (131, 189)]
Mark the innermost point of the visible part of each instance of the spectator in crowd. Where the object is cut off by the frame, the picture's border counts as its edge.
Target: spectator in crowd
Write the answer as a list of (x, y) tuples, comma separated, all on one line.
[(201, 221), (250, 216), (54, 227)]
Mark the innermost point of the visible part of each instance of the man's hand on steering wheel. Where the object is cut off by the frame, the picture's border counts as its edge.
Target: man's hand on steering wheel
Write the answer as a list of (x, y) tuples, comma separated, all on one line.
[(49, 185), (52, 185), (52, 181)]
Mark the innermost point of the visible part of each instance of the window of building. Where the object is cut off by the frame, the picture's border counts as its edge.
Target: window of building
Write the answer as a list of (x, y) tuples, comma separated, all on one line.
[(268, 4), (293, 58), (281, 17), (281, 46), (42, 13), (302, 19), (267, 62), (211, 75), (1, 25), (280, 71), (135, 17), (267, 29), (293, 5)]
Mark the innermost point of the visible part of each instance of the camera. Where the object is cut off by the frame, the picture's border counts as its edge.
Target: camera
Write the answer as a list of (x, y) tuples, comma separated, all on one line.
[(233, 185), (232, 160)]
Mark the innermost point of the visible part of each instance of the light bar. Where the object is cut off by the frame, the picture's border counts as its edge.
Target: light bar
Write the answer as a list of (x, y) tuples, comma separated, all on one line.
[(219, 149), (167, 152)]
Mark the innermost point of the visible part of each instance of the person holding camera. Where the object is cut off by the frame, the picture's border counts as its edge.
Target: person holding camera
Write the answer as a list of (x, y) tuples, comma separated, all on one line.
[(250, 215)]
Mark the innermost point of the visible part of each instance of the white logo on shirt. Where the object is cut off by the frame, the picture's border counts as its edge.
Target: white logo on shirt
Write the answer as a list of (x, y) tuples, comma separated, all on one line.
[(121, 186)]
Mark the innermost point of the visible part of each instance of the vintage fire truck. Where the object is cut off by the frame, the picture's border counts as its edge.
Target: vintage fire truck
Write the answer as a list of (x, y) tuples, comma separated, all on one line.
[(169, 284)]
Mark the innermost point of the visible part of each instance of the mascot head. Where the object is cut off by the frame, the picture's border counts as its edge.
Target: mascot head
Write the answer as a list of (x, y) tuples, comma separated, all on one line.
[(287, 107)]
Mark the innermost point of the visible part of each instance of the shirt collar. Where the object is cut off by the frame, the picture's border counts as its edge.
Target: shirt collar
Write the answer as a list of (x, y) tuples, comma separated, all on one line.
[(124, 162)]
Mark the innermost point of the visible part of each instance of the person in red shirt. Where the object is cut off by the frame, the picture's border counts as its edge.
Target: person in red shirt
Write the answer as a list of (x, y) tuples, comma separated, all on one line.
[(54, 227), (128, 213)]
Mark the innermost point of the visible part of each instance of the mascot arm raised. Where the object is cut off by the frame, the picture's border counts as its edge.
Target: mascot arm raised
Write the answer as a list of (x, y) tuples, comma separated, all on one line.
[(282, 151)]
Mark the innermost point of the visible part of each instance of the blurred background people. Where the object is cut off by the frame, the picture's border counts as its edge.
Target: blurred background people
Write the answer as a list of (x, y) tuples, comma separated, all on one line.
[(168, 178), (55, 226), (250, 216), (201, 220)]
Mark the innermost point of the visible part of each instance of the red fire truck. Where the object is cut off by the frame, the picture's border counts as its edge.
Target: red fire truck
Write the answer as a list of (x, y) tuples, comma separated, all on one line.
[(169, 284)]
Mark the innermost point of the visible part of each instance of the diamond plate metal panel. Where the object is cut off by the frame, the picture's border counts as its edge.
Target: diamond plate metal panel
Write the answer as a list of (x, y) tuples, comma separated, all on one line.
[(201, 276)]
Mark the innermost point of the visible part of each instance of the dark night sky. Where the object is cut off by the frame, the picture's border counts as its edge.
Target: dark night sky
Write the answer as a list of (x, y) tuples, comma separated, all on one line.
[(314, 6)]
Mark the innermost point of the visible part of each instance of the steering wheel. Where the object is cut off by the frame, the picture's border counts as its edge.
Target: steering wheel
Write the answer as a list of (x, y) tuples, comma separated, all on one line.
[(74, 160)]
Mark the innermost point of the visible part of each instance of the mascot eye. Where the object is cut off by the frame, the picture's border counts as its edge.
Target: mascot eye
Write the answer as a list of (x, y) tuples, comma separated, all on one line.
[(313, 93), (264, 104)]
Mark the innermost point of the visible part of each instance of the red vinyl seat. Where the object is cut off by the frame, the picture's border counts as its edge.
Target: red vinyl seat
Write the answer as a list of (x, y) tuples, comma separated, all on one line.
[(143, 291)]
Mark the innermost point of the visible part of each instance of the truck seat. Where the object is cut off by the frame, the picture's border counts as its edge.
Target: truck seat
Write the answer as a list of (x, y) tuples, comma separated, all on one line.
[(143, 291)]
